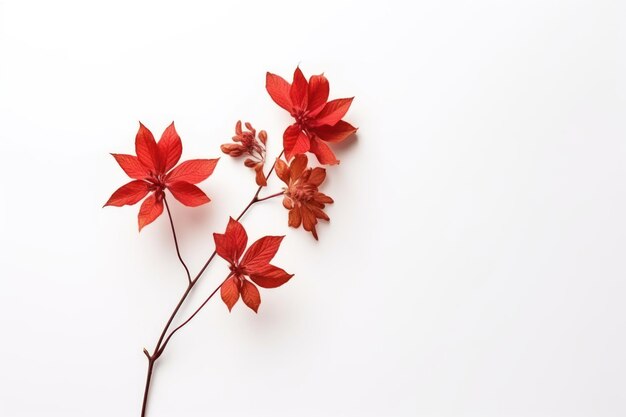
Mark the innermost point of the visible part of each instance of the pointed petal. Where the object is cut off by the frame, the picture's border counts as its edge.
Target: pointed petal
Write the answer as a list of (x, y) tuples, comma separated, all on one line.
[(295, 141), (318, 94), (297, 166), (250, 295), (150, 210), (309, 221), (295, 218), (340, 131), (170, 148), (270, 276), (232, 243), (188, 194), (323, 153), (129, 194), (230, 292), (261, 252), (147, 150), (299, 91), (317, 177), (131, 166), (192, 171), (333, 111), (278, 89), (319, 213), (323, 198)]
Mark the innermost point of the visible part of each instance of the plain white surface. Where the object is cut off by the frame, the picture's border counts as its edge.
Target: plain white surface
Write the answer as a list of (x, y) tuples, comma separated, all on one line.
[(474, 264)]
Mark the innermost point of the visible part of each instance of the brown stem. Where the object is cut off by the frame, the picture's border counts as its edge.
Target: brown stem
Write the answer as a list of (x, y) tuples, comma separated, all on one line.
[(145, 392), (158, 350), (180, 258)]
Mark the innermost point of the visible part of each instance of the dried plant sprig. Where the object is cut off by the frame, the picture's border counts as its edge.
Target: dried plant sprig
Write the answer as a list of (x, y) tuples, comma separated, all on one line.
[(154, 171)]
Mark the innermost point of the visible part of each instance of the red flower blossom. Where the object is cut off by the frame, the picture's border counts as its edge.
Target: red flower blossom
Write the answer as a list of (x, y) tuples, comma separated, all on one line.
[(247, 143), (254, 264), (317, 120), (302, 197), (151, 171)]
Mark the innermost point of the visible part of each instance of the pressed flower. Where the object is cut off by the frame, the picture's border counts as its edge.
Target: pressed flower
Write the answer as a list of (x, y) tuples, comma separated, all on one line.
[(253, 264), (246, 142), (302, 196), (154, 170), (317, 120)]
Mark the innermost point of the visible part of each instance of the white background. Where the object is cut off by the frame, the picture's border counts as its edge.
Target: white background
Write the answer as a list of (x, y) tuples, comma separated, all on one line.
[(475, 261)]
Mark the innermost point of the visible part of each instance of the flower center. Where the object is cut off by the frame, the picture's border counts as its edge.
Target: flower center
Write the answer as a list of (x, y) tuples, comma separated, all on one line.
[(302, 118), (302, 192), (237, 270)]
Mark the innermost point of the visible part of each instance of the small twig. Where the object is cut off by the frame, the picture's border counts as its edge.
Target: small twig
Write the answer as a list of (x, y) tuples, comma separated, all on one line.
[(169, 214)]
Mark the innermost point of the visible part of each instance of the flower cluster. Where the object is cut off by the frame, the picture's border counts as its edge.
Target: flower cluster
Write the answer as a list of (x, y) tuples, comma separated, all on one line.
[(247, 143)]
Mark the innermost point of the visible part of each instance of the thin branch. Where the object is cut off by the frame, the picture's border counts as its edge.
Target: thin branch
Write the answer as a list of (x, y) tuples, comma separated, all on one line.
[(192, 315), (270, 196), (169, 214)]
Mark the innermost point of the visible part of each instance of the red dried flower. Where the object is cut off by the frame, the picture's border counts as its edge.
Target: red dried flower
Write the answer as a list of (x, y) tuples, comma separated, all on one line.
[(317, 120), (152, 172), (302, 197), (254, 264), (247, 143)]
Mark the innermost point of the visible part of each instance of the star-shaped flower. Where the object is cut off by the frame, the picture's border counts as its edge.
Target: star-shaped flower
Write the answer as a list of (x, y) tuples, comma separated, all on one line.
[(253, 264), (317, 120), (152, 173)]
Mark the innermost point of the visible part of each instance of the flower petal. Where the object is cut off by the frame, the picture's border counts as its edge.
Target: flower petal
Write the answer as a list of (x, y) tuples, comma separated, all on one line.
[(295, 218), (147, 150), (319, 213), (295, 141), (232, 243), (230, 292), (150, 210), (129, 194), (299, 91), (188, 194), (278, 89), (250, 295), (282, 170), (131, 166), (170, 148), (297, 166), (270, 276), (309, 221), (192, 171), (317, 177), (261, 181), (323, 153), (333, 111), (323, 198), (261, 252), (318, 94), (340, 131)]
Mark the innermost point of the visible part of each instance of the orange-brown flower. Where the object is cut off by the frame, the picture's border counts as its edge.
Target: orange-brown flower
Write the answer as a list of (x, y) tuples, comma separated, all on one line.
[(247, 143), (302, 197)]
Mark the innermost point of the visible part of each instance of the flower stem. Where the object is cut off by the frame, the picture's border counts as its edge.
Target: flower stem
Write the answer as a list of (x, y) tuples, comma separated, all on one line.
[(160, 346), (180, 258), (270, 196)]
